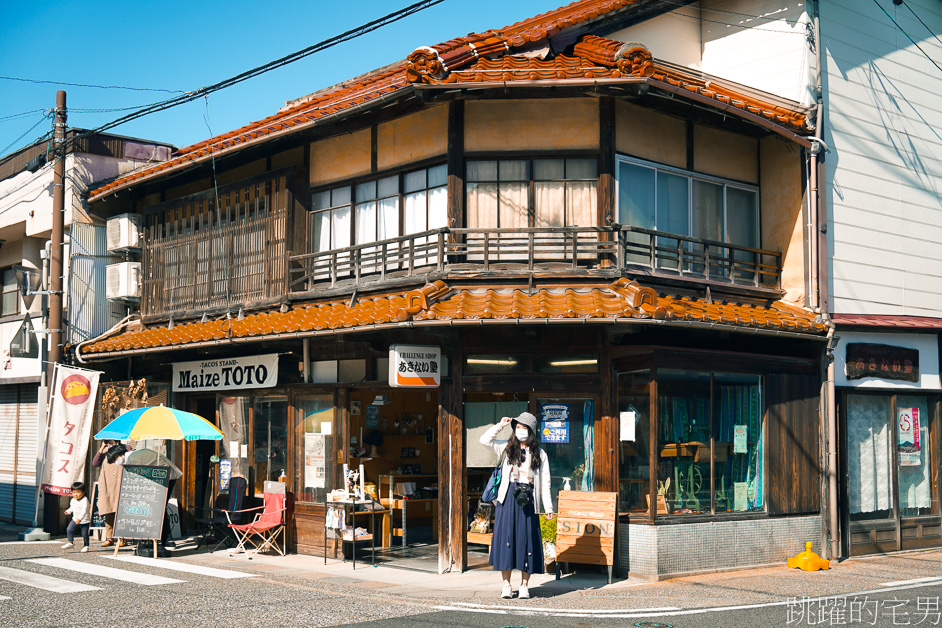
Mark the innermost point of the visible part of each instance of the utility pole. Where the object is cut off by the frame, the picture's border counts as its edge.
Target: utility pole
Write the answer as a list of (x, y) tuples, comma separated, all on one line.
[(58, 226)]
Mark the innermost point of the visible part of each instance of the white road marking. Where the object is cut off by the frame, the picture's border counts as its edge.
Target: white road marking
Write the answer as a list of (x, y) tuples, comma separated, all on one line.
[(29, 542), (3, 597), (641, 613), (94, 569), (185, 567), (567, 610), (914, 581), (42, 581)]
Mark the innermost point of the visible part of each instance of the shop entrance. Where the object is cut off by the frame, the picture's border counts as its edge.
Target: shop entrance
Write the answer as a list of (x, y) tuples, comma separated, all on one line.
[(890, 450), (393, 436)]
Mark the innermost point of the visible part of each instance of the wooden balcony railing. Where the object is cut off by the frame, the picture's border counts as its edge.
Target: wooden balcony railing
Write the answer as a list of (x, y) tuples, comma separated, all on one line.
[(559, 250)]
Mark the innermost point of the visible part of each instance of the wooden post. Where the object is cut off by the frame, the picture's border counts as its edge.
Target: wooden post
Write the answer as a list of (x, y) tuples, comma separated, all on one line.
[(456, 168), (452, 543), (606, 181)]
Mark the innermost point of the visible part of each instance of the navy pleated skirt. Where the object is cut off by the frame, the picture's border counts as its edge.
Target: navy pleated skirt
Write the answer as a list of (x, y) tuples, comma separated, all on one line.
[(517, 542)]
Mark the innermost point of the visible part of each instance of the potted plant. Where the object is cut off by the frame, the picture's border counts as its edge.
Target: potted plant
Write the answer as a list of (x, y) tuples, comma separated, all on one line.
[(548, 532)]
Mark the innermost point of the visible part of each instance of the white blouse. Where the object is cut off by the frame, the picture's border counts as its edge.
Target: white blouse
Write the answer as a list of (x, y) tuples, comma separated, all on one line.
[(522, 473)]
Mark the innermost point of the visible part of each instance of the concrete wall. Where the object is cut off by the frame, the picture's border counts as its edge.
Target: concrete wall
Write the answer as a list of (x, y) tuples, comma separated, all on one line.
[(549, 124), (884, 171), (659, 552)]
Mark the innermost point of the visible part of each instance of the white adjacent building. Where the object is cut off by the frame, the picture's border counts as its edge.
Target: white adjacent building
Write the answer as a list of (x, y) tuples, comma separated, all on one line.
[(26, 188)]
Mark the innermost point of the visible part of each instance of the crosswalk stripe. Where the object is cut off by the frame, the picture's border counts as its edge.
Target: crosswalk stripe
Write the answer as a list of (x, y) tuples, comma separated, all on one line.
[(94, 569), (42, 581), (3, 597), (185, 567)]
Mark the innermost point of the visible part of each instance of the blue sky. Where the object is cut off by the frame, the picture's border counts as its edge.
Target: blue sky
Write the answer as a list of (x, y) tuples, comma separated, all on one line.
[(179, 45)]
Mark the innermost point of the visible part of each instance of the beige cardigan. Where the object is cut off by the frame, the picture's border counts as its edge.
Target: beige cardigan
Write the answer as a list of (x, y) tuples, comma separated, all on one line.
[(542, 498)]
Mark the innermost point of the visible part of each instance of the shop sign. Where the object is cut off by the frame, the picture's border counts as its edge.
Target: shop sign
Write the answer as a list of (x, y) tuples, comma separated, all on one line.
[(884, 361), (910, 452), (257, 371), (70, 425), (225, 473), (555, 422), (414, 366)]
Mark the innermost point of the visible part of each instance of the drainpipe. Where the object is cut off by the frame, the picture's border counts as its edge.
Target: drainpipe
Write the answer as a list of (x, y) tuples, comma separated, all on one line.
[(834, 547), (306, 356)]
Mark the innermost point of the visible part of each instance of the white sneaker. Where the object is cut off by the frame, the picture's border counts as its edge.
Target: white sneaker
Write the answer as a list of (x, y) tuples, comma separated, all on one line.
[(523, 593), (68, 545), (84, 549), (507, 592)]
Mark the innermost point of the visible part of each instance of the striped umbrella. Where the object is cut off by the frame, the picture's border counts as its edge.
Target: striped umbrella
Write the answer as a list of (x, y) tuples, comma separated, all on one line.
[(158, 422)]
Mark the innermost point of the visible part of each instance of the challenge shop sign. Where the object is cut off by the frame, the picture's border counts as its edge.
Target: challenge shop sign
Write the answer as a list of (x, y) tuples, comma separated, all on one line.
[(257, 371), (415, 366)]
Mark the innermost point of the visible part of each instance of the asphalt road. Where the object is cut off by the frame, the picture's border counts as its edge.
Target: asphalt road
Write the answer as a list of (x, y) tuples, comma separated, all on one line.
[(44, 585)]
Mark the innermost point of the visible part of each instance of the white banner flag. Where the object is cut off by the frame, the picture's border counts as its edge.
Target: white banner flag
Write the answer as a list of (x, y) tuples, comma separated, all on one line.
[(70, 426)]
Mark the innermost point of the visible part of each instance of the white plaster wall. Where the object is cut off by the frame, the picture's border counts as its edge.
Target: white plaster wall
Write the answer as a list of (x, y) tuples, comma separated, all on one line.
[(11, 368), (760, 43), (883, 101), (674, 36)]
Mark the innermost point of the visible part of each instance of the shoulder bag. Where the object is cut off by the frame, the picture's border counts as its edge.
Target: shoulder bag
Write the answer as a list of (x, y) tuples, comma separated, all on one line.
[(493, 483)]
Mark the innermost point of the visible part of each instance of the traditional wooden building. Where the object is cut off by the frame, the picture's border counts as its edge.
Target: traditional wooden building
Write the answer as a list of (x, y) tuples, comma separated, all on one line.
[(611, 241)]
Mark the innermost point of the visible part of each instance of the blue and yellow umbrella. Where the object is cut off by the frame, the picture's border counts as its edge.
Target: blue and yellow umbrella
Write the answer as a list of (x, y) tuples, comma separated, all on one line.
[(159, 422)]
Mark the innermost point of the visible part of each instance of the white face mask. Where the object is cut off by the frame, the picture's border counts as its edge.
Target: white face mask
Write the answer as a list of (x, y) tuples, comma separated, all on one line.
[(522, 433)]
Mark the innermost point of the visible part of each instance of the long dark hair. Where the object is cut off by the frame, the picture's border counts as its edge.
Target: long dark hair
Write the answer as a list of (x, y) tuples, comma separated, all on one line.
[(115, 452), (515, 451)]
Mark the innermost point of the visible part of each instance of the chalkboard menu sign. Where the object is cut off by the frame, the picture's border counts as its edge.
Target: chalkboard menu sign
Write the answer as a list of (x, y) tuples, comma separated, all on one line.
[(141, 502), (98, 519)]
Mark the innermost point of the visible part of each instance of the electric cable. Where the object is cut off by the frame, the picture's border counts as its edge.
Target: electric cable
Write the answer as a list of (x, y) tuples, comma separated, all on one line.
[(923, 23), (908, 36), (186, 97), (28, 131), (22, 114), (137, 89)]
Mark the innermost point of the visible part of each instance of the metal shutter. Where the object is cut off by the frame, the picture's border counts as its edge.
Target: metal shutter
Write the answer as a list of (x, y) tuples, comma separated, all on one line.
[(18, 409)]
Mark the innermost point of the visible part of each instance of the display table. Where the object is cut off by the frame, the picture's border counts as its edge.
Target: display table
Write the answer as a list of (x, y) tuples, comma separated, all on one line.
[(392, 498), (349, 508)]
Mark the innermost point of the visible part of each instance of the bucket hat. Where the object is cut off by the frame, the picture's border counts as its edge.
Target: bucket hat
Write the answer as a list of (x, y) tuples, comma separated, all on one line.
[(527, 419)]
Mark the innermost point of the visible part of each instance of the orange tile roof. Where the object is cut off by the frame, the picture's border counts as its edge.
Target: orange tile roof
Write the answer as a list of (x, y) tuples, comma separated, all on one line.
[(478, 57), (621, 300)]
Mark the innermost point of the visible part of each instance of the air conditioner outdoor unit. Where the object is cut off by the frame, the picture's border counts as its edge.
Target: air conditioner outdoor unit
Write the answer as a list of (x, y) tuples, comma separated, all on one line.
[(124, 232), (124, 281)]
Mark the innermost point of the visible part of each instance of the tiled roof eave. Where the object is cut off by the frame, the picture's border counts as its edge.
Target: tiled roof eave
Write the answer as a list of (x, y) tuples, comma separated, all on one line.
[(188, 161), (466, 322)]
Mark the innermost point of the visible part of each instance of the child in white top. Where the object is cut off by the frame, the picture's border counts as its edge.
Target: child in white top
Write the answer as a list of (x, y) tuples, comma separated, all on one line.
[(81, 516)]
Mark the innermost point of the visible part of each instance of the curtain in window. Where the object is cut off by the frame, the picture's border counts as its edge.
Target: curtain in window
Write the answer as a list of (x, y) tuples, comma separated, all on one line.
[(868, 442), (914, 479)]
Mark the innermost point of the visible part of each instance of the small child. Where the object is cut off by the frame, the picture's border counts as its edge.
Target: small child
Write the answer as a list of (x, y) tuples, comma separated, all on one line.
[(81, 515)]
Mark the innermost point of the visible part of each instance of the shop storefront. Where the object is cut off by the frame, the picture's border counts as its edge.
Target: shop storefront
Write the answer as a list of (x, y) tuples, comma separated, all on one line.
[(888, 400)]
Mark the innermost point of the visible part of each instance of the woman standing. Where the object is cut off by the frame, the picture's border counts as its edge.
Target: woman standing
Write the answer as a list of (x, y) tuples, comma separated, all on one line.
[(109, 457), (523, 493)]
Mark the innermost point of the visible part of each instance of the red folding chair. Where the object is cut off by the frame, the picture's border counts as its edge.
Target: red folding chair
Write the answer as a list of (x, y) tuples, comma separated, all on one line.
[(262, 533)]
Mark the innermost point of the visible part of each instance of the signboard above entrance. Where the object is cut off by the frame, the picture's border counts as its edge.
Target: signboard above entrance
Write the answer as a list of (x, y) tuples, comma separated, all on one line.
[(883, 361), (257, 371), (415, 366)]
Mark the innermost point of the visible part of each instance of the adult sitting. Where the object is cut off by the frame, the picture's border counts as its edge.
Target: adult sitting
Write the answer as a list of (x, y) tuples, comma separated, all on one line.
[(149, 457), (110, 457)]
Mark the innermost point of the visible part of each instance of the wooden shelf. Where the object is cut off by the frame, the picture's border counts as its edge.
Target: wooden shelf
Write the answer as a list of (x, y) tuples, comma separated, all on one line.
[(480, 537)]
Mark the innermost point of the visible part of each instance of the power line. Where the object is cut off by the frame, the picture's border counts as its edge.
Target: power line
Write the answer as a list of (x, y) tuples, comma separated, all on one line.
[(136, 89), (23, 114), (28, 131), (907, 35), (186, 97), (923, 23)]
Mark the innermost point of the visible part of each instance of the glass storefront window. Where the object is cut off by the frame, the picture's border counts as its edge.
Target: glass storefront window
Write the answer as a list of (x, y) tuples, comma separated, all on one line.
[(684, 414), (634, 474), (912, 442), (868, 456), (270, 440), (314, 431), (738, 446), (234, 424), (568, 436)]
